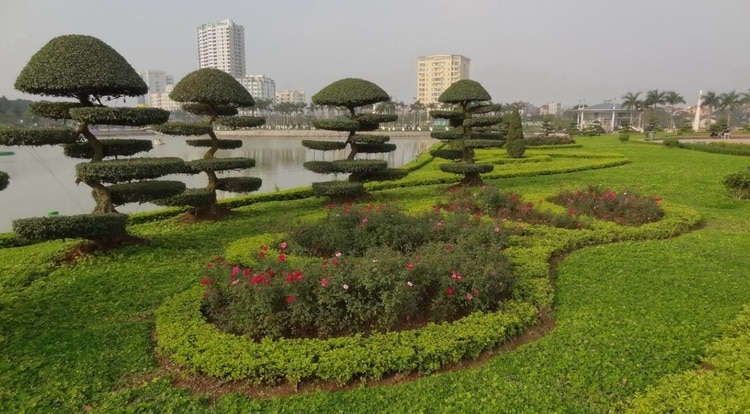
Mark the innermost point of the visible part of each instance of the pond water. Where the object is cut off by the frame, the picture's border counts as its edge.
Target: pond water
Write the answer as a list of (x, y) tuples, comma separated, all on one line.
[(42, 179)]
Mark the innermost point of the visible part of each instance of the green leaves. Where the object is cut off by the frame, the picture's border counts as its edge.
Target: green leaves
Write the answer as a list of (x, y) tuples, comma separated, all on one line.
[(239, 184), (112, 147), (183, 128), (37, 136), (85, 226), (220, 164), (350, 93), (323, 145), (463, 92), (463, 168), (53, 110), (239, 122), (4, 180), (144, 191), (211, 87), (220, 143), (117, 171), (120, 116)]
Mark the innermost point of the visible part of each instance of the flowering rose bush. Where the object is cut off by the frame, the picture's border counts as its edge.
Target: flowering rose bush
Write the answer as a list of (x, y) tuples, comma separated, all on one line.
[(623, 207), (455, 267)]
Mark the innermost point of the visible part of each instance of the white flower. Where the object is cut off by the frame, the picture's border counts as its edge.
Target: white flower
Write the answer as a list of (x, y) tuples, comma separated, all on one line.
[(409, 284), (337, 254), (345, 286)]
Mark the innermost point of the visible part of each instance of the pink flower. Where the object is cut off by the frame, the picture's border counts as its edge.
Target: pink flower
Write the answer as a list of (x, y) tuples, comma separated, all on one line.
[(449, 291), (448, 246), (283, 245), (469, 296), (262, 255), (324, 282), (247, 272), (497, 229), (409, 265), (335, 262), (290, 277), (337, 254), (365, 220), (235, 272), (290, 299), (455, 275), (235, 282)]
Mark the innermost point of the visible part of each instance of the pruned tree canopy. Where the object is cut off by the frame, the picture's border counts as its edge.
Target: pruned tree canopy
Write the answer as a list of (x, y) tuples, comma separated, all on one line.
[(53, 110), (111, 148), (351, 93), (37, 136), (464, 90), (183, 128), (101, 115), (236, 122), (213, 87), (80, 67)]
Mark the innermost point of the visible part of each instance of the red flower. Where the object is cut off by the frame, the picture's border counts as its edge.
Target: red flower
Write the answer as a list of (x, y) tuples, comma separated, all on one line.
[(235, 272), (262, 255), (270, 272), (264, 248), (282, 257), (469, 297), (247, 272), (329, 206), (448, 246), (209, 265), (206, 294), (289, 299), (335, 262), (449, 291), (410, 266), (324, 282), (206, 281), (290, 277)]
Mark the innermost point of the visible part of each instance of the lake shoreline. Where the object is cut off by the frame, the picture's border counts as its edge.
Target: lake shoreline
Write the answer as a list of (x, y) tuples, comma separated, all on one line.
[(297, 133)]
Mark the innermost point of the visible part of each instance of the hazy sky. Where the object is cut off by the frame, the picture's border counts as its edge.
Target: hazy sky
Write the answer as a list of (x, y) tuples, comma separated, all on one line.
[(534, 50)]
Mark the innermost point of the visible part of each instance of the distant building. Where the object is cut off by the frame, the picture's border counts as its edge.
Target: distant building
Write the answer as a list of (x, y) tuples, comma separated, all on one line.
[(290, 95), (161, 100), (609, 115), (435, 73), (157, 82), (222, 46), (551, 108), (259, 86)]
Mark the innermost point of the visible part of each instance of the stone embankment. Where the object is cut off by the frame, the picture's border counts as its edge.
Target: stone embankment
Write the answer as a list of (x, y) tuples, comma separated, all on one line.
[(296, 133)]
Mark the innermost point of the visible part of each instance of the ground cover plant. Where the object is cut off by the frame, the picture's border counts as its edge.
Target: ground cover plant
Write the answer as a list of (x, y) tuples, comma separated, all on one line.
[(627, 314)]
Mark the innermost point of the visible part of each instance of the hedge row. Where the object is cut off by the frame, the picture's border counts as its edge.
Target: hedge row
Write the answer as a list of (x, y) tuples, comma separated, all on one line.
[(111, 147), (338, 189), (183, 128), (718, 148), (83, 226), (219, 164), (117, 171), (100, 115), (37, 136), (463, 168), (220, 143), (53, 110), (195, 197), (144, 191)]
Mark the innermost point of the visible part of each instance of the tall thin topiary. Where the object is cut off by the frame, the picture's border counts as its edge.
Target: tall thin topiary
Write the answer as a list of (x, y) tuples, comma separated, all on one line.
[(474, 126), (515, 145), (88, 70), (217, 96), (352, 94)]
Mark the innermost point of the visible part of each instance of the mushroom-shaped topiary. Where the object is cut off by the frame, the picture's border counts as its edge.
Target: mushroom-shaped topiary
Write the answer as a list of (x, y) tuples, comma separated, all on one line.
[(352, 94), (90, 71), (217, 95), (474, 127)]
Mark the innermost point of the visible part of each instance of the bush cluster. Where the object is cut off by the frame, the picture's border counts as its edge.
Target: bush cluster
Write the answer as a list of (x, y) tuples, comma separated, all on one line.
[(738, 184), (623, 207), (85, 226)]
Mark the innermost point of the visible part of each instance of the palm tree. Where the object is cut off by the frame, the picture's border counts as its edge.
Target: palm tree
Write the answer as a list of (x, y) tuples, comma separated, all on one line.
[(631, 102), (711, 100), (654, 97), (730, 101), (672, 98)]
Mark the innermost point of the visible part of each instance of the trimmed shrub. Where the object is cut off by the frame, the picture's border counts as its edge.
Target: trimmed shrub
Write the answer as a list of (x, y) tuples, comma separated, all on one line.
[(37, 136), (323, 145), (671, 142), (738, 184), (549, 140), (446, 135), (370, 139), (482, 121), (183, 128), (463, 168), (219, 164), (387, 174), (144, 191), (464, 91), (336, 124), (335, 189), (320, 167), (516, 148), (212, 87), (237, 122), (374, 148), (117, 171), (442, 114), (202, 109), (120, 116), (194, 197), (4, 180), (239, 184), (376, 118), (447, 154), (111, 147), (53, 110), (220, 143), (359, 166), (350, 93), (84, 226), (484, 143), (514, 139)]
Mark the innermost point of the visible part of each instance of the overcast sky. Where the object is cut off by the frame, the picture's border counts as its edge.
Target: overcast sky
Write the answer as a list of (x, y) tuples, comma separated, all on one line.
[(535, 50)]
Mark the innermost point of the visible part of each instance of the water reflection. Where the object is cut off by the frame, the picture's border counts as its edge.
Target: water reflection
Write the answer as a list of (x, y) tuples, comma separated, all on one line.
[(42, 179)]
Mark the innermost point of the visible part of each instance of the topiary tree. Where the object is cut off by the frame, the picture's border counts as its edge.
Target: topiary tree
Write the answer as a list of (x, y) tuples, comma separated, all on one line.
[(515, 145), (624, 132), (217, 96), (88, 70), (547, 128), (4, 180), (594, 129), (474, 126), (351, 94)]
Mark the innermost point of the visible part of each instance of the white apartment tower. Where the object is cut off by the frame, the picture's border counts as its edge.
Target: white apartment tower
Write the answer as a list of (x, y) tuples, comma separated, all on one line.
[(290, 95), (157, 82), (435, 73), (222, 46), (259, 86)]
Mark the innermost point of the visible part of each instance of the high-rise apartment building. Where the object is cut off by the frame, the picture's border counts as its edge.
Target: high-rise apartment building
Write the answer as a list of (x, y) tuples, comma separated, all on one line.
[(157, 82), (222, 46), (290, 95), (435, 73), (259, 86)]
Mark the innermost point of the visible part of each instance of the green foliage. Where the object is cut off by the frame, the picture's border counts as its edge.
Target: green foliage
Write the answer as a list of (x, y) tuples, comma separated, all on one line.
[(220, 143), (375, 118), (374, 148), (516, 148), (53, 110), (485, 108), (119, 115), (239, 184), (482, 121), (549, 140), (547, 128), (718, 127), (219, 164), (239, 122), (594, 129), (194, 197), (323, 145), (671, 142), (624, 207), (464, 168), (484, 143), (112, 147), (447, 154), (370, 139), (320, 167), (144, 191), (117, 171), (37, 136), (211, 87), (337, 124), (443, 114), (514, 140), (359, 166), (386, 174), (4, 180), (78, 65), (738, 184), (464, 91), (183, 128), (84, 226), (718, 147), (488, 135), (447, 135), (350, 93), (203, 109), (336, 189)]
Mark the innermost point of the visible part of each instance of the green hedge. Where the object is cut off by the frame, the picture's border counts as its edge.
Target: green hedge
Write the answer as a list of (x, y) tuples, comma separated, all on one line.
[(209, 110), (463, 168), (118, 171), (350, 93), (338, 189), (183, 128), (446, 135), (323, 145), (447, 154), (84, 226), (4, 180), (370, 139), (120, 116), (380, 175), (194, 197), (718, 148), (375, 148), (336, 124), (482, 121), (237, 122), (111, 147), (489, 135), (239, 184), (220, 164), (376, 118), (359, 166), (487, 108), (221, 143), (738, 184), (484, 143), (37, 136), (320, 167), (144, 191), (442, 114), (53, 110)]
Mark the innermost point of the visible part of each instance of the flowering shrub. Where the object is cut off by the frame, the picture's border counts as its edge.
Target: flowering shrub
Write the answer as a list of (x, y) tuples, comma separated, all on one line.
[(284, 294), (622, 208), (491, 202)]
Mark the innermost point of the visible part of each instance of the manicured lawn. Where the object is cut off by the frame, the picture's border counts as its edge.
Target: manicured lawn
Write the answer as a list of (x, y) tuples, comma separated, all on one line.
[(627, 314)]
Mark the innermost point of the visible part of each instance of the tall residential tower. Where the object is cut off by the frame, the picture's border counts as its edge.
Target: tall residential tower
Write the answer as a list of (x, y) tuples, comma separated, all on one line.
[(222, 46), (435, 73)]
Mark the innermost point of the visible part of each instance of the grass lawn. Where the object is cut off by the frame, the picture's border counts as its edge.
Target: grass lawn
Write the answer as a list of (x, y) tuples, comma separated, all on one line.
[(628, 315)]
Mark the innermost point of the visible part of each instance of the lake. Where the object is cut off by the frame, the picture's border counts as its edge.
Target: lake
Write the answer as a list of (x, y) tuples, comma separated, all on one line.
[(42, 179)]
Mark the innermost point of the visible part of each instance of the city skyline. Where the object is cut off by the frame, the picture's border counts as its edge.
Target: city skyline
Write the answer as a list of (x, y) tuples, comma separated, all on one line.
[(561, 51)]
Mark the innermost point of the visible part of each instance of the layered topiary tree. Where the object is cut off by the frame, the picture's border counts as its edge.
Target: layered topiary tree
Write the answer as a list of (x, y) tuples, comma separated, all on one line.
[(91, 72), (515, 145), (217, 96), (474, 126), (352, 94)]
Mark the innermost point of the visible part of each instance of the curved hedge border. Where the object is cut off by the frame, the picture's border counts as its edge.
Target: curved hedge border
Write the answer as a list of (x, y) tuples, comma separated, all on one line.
[(111, 147), (323, 145), (184, 335), (53, 110), (144, 191), (220, 164), (221, 143), (37, 136), (237, 122), (117, 171), (239, 184), (120, 116), (183, 128), (84, 226), (4, 180)]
